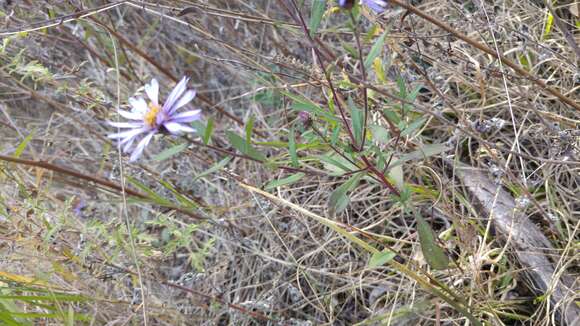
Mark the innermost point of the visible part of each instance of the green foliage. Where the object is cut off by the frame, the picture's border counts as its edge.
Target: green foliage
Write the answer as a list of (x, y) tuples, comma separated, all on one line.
[(292, 148), (41, 303), (381, 258), (170, 152), (176, 236), (204, 130), (268, 97), (316, 13), (434, 255), (285, 181), (339, 198), (216, 167), (241, 145), (301, 103), (376, 50), (357, 122), (249, 128), (22, 146)]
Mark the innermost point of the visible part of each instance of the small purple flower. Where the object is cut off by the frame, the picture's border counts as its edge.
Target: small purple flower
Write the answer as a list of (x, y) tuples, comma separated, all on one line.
[(151, 118), (377, 6), (346, 4), (305, 118)]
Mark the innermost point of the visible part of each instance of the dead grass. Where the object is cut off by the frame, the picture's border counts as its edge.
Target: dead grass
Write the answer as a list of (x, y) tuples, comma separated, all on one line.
[(250, 259)]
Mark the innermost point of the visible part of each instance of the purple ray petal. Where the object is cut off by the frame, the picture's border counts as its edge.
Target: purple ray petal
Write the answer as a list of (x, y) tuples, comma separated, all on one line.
[(152, 90), (138, 104), (127, 146), (376, 5), (140, 147), (175, 94), (125, 124), (176, 128), (187, 116), (186, 98), (130, 115), (127, 134)]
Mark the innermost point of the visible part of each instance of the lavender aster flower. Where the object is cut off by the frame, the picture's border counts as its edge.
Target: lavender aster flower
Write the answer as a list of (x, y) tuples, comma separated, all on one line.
[(151, 118), (377, 6)]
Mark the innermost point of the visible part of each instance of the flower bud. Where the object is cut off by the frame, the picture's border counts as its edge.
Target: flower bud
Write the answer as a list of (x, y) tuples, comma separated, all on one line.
[(346, 4), (305, 119)]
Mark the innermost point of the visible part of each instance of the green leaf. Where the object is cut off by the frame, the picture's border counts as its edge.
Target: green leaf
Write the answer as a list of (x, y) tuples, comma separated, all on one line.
[(379, 70), (50, 298), (375, 50), (249, 128), (152, 195), (292, 148), (184, 201), (434, 255), (240, 144), (396, 173), (22, 146), (413, 95), (208, 131), (6, 319), (316, 12), (381, 258), (286, 181), (267, 97), (199, 127), (337, 164), (357, 122), (402, 87), (172, 151), (301, 103), (70, 321), (548, 27), (216, 167), (203, 130), (380, 134), (339, 200), (422, 153), (335, 134), (413, 126), (392, 116)]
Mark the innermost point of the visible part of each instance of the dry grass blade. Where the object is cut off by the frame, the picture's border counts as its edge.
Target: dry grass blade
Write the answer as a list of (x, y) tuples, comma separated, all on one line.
[(530, 246)]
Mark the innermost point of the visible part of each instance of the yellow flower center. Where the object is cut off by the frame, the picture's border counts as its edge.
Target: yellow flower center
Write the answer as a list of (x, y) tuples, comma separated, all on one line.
[(151, 115)]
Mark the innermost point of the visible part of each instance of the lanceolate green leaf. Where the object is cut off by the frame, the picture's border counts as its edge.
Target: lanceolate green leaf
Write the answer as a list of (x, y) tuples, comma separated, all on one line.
[(381, 258), (283, 182), (184, 201), (249, 129), (171, 151), (23, 145), (216, 167), (208, 131), (292, 148), (421, 153), (380, 134), (375, 50), (316, 13), (434, 255), (240, 144), (357, 122), (413, 126), (152, 195), (339, 200), (301, 103), (204, 130)]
